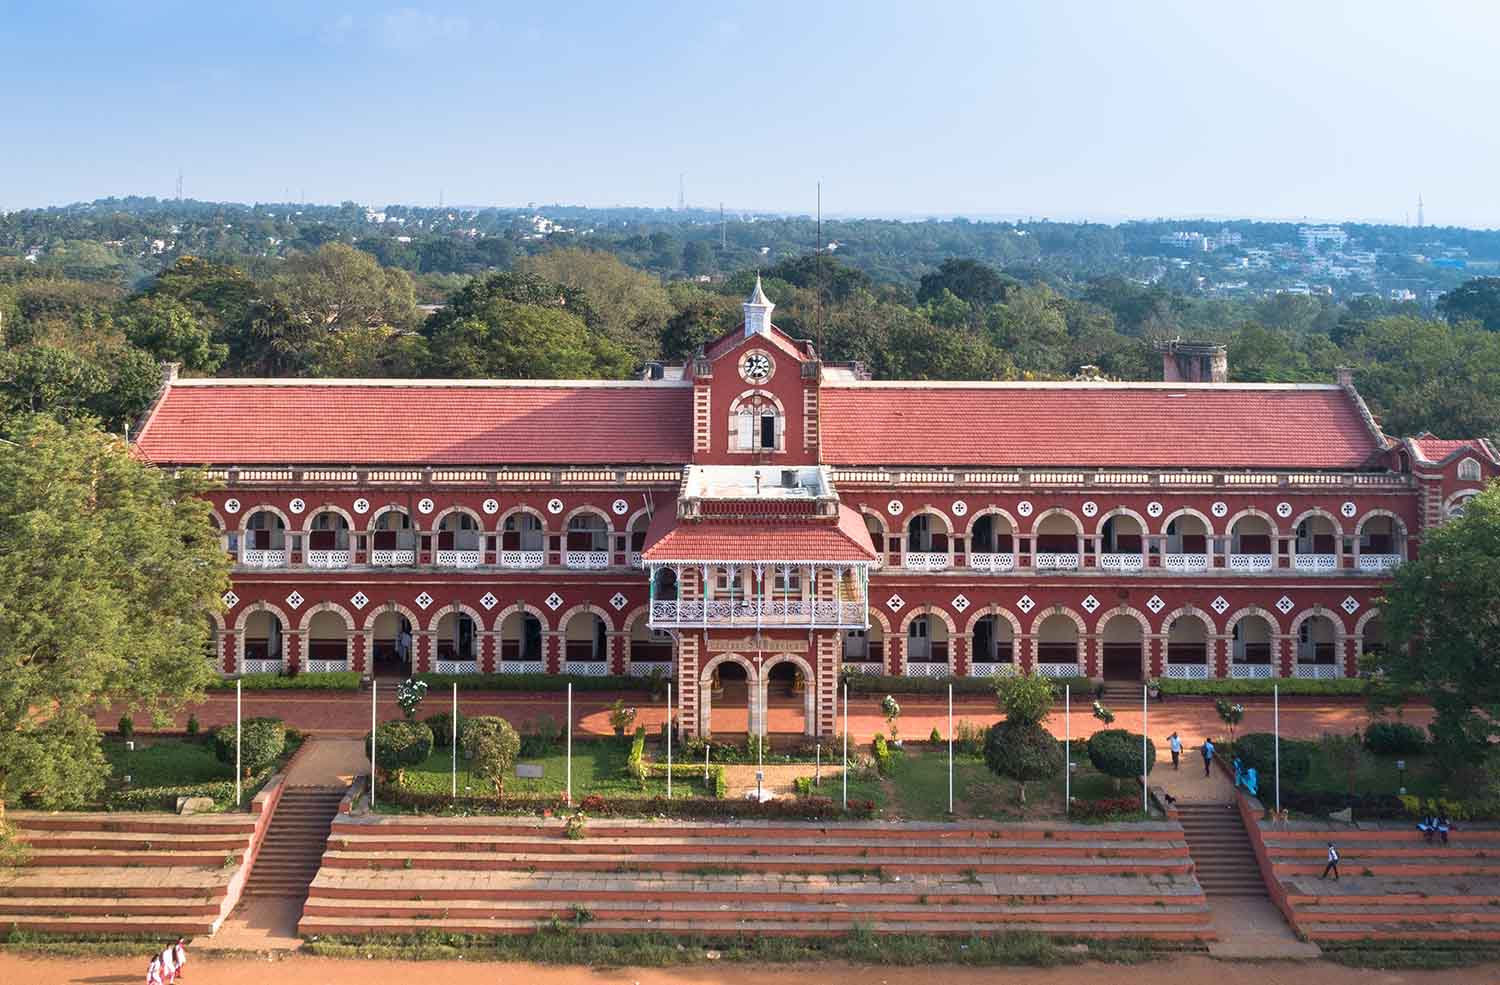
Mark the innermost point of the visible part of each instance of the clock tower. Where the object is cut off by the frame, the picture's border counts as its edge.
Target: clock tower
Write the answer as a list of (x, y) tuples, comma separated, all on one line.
[(758, 312)]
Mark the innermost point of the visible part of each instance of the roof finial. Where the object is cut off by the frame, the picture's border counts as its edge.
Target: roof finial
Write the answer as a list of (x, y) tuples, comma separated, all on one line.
[(758, 311)]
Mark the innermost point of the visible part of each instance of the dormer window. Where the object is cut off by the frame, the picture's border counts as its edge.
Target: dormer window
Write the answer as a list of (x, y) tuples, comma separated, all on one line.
[(757, 425), (1468, 470)]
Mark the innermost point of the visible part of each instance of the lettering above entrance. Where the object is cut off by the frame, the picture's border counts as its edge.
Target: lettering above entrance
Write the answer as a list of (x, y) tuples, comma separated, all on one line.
[(753, 644)]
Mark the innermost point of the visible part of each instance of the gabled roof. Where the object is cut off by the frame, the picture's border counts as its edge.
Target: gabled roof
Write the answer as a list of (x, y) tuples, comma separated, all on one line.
[(418, 422), (1432, 450), (729, 341), (1141, 425), (669, 539)]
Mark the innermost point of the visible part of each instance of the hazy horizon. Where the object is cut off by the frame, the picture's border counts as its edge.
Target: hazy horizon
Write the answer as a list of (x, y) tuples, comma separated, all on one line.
[(1068, 111)]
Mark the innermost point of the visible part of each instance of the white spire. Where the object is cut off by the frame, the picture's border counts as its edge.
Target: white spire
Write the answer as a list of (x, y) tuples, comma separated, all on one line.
[(758, 311)]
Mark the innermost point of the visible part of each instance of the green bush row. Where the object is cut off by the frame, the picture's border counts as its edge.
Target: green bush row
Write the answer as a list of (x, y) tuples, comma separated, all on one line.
[(539, 683), (691, 773), (335, 681), (165, 798), (1286, 685), (883, 684)]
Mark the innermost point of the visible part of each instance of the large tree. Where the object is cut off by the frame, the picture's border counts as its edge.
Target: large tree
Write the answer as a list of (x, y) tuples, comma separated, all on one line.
[(110, 569), (341, 287), (505, 340), (1442, 621), (632, 305), (1476, 300)]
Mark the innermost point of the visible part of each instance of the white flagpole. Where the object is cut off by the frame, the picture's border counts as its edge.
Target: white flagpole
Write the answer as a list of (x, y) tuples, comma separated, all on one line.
[(950, 748), (846, 745), (238, 770), (669, 741), (1276, 712), (373, 686), (1145, 771), (1067, 748), (454, 716), (569, 795)]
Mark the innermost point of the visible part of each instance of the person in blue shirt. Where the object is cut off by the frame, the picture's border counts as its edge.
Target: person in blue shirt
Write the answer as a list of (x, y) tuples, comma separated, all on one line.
[(1208, 756)]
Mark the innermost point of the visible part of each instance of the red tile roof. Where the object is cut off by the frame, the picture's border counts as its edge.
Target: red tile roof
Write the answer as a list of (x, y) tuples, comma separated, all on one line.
[(1434, 450), (1081, 425), (670, 539), (417, 423)]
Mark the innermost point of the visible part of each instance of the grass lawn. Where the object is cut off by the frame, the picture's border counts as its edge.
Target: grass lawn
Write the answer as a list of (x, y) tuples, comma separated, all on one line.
[(164, 761), (1377, 774), (917, 789), (598, 768)]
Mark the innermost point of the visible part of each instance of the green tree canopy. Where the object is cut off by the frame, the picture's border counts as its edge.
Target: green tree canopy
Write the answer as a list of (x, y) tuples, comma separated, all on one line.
[(168, 330), (971, 281), (1477, 300), (340, 287), (523, 341), (111, 569)]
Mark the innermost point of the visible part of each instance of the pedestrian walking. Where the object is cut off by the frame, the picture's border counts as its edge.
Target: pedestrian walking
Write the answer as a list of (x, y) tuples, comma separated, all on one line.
[(1208, 756), (179, 952), (1333, 863), (153, 971), (1175, 744), (168, 965)]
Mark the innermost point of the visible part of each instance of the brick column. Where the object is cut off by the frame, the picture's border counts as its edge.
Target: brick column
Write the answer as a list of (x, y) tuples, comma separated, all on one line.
[(895, 652), (292, 649), (1350, 655), (1218, 655), (489, 643), (426, 644), (962, 655), (616, 643), (826, 650), (1156, 655), (361, 646), (1093, 654), (690, 701), (1023, 652), (227, 652), (551, 651), (1282, 654)]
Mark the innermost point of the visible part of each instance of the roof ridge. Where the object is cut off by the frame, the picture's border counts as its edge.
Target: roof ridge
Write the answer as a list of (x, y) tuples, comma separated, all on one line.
[(1072, 385), (426, 384)]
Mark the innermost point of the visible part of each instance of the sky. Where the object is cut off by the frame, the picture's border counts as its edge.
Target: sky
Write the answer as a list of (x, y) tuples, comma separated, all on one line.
[(1103, 110)]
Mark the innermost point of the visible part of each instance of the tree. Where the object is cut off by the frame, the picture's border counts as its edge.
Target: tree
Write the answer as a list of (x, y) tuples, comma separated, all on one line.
[(632, 306), (1025, 698), (523, 341), (114, 383), (1020, 747), (341, 287), (977, 283), (1443, 613), (491, 746), (111, 570), (168, 330), (1476, 300), (1116, 752)]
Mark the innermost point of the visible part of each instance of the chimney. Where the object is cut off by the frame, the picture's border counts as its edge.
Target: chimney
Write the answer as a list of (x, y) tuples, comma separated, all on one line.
[(169, 373), (1344, 375), (1193, 362)]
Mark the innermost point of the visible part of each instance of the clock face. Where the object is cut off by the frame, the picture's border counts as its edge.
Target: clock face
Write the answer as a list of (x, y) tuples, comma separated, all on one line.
[(756, 367)]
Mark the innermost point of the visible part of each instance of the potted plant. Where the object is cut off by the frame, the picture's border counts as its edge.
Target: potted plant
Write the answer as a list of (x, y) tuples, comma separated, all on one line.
[(892, 711), (621, 718), (409, 695), (1153, 689)]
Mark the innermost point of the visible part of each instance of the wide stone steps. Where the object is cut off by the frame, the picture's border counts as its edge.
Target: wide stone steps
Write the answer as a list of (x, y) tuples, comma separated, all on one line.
[(64, 905), (1224, 860), (292, 851)]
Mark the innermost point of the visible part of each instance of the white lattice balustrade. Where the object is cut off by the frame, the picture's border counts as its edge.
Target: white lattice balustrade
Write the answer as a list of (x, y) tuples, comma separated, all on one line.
[(328, 559), (458, 666), (254, 558), (326, 666), (1185, 562), (635, 560), (262, 667), (1315, 562), (460, 559), (1188, 672), (872, 669), (1122, 562), (1250, 562), (1250, 672), (925, 561), (523, 667), (645, 668), (1053, 561), (992, 562), (586, 560), (1319, 672), (992, 670), (522, 559), (764, 612), (1379, 562), (1058, 670), (587, 668), (392, 559), (923, 669)]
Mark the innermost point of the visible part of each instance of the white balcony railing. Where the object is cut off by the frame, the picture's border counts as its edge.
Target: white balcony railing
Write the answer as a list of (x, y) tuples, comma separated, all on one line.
[(988, 669), (1251, 562), (587, 668), (1052, 561), (1122, 562), (1250, 672), (261, 667), (586, 560), (924, 669), (523, 667), (1058, 670), (1379, 562), (252, 557), (458, 666), (1185, 563), (1315, 562), (328, 559), (392, 559), (1319, 672), (926, 561), (1188, 672), (459, 559), (327, 666), (770, 612), (636, 561), (872, 669), (522, 559), (992, 562), (644, 668)]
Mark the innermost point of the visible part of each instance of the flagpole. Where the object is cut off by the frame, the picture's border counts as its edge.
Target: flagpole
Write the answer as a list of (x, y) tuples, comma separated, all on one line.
[(1145, 769), (238, 770), (1276, 712), (1067, 748), (669, 740), (454, 716), (950, 748), (569, 795), (373, 686), (846, 745)]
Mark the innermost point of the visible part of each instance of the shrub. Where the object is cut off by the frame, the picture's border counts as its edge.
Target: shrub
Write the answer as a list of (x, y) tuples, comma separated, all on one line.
[(621, 718), (1394, 739), (442, 728), (400, 744), (491, 746), (1230, 713), (882, 753), (880, 684), (126, 727), (542, 737), (320, 681), (262, 740), (1103, 714), (1287, 686), (1025, 699), (892, 711), (1104, 807), (969, 738), (193, 727), (1023, 751), (803, 785), (409, 695), (1116, 752), (936, 737), (635, 763), (1258, 750), (785, 809)]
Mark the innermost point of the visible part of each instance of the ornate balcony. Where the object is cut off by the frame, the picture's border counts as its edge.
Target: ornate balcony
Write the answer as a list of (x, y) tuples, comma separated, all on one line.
[(992, 563), (1319, 672), (586, 560), (252, 557), (769, 613), (1122, 562), (1251, 672), (392, 559), (1188, 672), (926, 561), (1379, 562), (1185, 563), (1244, 563), (1050, 561), (459, 559), (328, 559), (523, 559), (645, 668), (636, 561), (857, 667), (1315, 562)]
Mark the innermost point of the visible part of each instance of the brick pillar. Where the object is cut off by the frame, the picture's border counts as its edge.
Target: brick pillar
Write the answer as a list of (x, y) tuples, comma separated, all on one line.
[(361, 645), (687, 685), (1023, 652), (617, 641), (1351, 655), (292, 641), (426, 644), (963, 651), (895, 653), (1156, 655), (1218, 655), (1093, 655), (489, 644), (227, 652), (551, 651), (826, 656), (1282, 654)]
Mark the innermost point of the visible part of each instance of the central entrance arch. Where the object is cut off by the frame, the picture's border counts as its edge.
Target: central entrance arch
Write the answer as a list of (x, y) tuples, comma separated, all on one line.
[(730, 678)]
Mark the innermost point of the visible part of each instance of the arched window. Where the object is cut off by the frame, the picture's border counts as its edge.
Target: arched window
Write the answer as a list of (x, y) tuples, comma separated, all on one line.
[(1468, 470), (757, 425)]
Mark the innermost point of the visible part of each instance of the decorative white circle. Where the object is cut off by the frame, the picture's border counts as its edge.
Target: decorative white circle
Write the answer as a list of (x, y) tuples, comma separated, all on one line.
[(1348, 509), (231, 506), (1220, 509), (620, 507), (554, 506), (1024, 507), (1091, 508), (960, 508), (425, 505), (894, 507), (1283, 510), (361, 506), (1153, 509), (491, 506), (297, 505)]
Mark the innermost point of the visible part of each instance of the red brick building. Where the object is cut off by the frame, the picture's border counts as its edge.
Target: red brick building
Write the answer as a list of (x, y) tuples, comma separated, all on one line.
[(757, 512)]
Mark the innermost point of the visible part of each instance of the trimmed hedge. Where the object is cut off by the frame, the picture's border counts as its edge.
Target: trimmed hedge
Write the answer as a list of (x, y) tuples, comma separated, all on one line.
[(883, 684), (1287, 686), (537, 683), (165, 798), (442, 728), (693, 808), (1368, 806), (338, 681), (692, 774), (1102, 808), (400, 744), (262, 741), (1395, 739), (1116, 752)]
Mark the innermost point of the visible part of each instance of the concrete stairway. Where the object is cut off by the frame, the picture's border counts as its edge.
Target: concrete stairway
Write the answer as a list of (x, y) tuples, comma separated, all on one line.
[(503, 876), (1225, 861), (293, 848), (1118, 695)]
